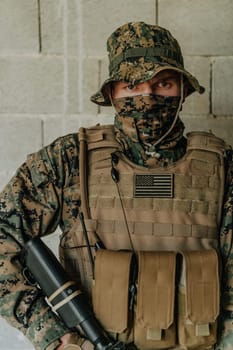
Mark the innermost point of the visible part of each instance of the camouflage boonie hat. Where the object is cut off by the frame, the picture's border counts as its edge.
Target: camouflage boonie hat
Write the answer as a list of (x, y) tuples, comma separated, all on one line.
[(137, 52)]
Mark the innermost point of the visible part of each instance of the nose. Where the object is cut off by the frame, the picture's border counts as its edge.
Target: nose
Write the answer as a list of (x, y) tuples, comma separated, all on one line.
[(146, 87)]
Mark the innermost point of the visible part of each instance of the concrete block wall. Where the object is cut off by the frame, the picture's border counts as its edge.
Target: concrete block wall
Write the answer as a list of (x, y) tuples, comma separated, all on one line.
[(53, 57)]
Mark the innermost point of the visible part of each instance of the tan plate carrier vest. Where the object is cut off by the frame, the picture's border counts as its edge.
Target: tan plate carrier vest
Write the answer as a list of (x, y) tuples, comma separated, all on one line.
[(170, 217)]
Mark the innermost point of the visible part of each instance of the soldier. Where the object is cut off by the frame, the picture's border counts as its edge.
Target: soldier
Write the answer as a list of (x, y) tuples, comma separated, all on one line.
[(149, 193)]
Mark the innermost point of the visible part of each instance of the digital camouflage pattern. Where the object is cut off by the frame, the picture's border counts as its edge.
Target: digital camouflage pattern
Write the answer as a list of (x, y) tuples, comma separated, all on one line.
[(43, 195), (140, 123), (226, 317), (37, 199), (137, 52)]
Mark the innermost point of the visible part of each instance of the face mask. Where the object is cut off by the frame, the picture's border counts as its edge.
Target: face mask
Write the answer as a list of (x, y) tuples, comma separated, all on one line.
[(148, 118)]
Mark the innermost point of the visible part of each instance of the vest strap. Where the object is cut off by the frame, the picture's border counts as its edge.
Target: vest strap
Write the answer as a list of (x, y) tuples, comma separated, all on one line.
[(83, 161)]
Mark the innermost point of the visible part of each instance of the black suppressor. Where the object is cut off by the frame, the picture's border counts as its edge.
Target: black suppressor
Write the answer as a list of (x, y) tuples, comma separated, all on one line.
[(63, 295)]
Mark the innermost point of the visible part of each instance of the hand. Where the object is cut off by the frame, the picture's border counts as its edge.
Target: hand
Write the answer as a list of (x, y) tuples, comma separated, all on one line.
[(73, 341), (64, 340)]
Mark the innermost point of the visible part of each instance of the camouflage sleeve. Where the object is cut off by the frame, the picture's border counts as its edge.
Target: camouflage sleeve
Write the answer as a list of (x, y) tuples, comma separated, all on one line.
[(226, 246), (31, 204)]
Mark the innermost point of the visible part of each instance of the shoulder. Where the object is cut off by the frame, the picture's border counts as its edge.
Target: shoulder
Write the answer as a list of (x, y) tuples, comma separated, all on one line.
[(64, 144), (57, 161)]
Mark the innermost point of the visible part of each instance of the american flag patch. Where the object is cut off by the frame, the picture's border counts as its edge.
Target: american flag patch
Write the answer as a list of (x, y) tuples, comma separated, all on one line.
[(153, 185)]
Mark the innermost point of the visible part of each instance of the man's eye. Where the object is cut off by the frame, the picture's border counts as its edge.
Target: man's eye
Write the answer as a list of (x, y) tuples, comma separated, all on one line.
[(130, 87), (164, 84)]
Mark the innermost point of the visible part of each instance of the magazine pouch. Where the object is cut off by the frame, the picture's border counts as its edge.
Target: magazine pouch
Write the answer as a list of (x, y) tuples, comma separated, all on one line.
[(110, 289), (198, 299), (154, 320)]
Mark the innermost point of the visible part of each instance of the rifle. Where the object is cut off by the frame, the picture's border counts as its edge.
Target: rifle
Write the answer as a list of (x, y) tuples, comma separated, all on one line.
[(63, 295)]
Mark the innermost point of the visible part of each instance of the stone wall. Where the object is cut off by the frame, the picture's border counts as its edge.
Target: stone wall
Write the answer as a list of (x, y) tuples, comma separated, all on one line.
[(53, 57)]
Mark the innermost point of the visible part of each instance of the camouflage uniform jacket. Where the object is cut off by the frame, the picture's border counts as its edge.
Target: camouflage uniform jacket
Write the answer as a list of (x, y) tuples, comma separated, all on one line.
[(35, 202)]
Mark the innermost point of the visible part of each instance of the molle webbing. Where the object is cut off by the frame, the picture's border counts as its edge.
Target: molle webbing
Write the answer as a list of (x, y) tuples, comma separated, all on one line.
[(88, 138), (205, 141), (189, 220), (73, 251)]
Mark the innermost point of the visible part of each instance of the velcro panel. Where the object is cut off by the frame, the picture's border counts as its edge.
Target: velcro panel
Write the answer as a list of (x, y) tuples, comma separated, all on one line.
[(110, 289)]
